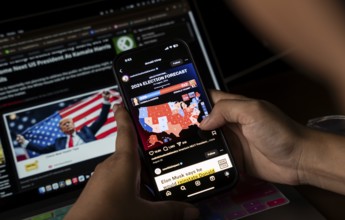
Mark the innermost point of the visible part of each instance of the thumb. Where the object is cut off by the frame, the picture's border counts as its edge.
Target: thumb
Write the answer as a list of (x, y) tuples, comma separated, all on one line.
[(228, 108), (218, 117), (171, 210), (233, 111)]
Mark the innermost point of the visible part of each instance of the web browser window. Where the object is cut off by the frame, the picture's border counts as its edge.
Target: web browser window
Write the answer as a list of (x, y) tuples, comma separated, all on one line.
[(57, 86)]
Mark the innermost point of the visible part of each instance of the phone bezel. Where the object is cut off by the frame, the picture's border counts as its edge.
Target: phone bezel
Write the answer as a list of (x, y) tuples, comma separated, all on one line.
[(233, 170)]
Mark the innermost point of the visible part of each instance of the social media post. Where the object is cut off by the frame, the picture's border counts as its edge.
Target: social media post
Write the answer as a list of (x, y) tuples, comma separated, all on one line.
[(201, 145), (63, 132), (165, 105), (191, 173)]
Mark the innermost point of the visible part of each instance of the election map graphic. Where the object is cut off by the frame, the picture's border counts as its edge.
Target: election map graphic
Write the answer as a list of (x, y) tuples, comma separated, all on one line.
[(171, 118)]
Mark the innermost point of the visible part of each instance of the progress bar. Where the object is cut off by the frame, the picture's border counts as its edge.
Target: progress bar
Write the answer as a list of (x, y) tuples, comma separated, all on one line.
[(193, 194)]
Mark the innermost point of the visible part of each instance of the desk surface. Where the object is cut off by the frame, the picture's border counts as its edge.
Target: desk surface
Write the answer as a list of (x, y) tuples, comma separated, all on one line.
[(297, 209)]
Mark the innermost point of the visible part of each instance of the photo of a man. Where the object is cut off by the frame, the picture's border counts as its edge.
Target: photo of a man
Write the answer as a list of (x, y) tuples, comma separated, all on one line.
[(72, 137)]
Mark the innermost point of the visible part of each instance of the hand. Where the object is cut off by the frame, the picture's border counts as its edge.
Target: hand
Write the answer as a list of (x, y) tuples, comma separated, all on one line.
[(113, 190), (20, 139), (268, 139)]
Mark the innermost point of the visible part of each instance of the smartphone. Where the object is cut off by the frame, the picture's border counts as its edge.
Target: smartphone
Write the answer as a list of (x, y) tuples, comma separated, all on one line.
[(166, 99)]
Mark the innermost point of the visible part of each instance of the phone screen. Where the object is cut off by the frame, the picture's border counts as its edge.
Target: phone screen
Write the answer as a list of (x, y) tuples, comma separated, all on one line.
[(167, 101)]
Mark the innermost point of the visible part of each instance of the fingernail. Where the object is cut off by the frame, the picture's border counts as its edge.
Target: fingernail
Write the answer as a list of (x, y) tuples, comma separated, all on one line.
[(191, 214), (204, 121), (115, 107)]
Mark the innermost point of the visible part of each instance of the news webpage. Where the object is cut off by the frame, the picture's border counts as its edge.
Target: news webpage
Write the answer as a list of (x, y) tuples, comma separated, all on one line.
[(49, 75)]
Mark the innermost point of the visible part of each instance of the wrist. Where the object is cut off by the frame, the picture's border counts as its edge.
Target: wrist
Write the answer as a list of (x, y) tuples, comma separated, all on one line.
[(321, 158)]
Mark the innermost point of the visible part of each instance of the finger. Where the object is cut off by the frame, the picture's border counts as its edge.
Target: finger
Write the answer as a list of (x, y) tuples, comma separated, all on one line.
[(229, 111), (217, 95), (123, 167), (115, 181), (169, 210), (232, 138), (126, 140)]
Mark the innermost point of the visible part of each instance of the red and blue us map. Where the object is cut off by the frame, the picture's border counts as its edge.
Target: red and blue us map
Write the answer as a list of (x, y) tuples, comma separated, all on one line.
[(171, 118)]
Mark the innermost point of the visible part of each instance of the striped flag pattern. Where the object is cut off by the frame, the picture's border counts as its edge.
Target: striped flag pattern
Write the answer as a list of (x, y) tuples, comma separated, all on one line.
[(86, 111), (83, 113)]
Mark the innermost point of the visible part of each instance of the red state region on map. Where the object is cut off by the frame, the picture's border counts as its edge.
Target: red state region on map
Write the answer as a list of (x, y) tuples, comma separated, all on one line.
[(171, 117)]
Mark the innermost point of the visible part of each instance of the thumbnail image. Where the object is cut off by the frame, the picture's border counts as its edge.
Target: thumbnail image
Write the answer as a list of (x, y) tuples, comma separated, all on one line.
[(62, 125), (2, 156)]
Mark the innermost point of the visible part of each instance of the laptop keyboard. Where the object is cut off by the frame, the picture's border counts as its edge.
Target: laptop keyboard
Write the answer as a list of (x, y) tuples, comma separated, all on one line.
[(56, 214), (251, 196)]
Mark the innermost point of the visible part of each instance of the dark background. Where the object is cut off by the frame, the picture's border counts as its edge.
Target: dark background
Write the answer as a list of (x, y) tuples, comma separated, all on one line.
[(249, 68)]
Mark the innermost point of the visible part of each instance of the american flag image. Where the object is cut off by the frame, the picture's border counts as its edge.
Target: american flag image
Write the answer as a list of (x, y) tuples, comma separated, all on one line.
[(83, 113), (45, 132)]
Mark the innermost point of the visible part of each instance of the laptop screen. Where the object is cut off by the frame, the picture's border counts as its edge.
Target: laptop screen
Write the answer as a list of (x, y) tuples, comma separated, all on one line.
[(56, 74)]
